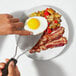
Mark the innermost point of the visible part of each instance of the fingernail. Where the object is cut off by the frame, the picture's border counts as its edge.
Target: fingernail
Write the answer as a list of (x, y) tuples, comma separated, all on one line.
[(12, 63)]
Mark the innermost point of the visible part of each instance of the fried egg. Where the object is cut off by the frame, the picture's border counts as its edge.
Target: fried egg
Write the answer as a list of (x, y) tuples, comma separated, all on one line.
[(36, 25)]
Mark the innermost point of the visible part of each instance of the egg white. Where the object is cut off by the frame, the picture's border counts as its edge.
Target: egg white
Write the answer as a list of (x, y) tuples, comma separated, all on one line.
[(41, 28)]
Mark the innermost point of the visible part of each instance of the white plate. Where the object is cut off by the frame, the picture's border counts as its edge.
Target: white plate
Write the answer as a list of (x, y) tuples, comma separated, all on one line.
[(49, 53)]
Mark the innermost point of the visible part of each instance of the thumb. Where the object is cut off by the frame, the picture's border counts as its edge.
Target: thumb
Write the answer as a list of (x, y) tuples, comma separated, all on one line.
[(11, 68)]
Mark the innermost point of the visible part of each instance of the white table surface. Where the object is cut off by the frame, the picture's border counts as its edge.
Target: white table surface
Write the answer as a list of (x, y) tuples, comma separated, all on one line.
[(64, 65)]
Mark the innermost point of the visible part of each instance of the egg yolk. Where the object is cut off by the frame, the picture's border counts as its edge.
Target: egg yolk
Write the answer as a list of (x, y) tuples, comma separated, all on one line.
[(33, 23)]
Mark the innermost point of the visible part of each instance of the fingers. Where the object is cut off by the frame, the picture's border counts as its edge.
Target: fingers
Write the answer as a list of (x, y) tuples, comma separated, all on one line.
[(2, 65), (22, 32), (11, 68), (7, 15), (0, 73), (17, 71), (13, 20), (13, 26), (18, 25)]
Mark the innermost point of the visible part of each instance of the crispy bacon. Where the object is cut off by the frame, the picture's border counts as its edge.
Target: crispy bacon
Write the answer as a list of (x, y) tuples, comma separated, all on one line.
[(56, 43), (53, 36), (32, 50), (50, 40)]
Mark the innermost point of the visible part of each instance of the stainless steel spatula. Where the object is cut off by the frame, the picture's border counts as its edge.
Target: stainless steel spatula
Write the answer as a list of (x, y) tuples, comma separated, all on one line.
[(5, 70)]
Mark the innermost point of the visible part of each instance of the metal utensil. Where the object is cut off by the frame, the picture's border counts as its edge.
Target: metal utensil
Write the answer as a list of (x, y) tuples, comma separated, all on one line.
[(5, 70)]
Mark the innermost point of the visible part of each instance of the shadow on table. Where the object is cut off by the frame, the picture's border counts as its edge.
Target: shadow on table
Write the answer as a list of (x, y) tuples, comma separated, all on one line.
[(20, 15), (2, 39), (48, 68)]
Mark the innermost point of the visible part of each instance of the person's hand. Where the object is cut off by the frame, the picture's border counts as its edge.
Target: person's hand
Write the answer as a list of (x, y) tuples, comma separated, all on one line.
[(10, 25), (12, 70)]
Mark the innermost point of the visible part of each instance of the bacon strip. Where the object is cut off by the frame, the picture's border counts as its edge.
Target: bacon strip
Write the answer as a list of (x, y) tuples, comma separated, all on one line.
[(53, 36), (46, 38), (56, 43)]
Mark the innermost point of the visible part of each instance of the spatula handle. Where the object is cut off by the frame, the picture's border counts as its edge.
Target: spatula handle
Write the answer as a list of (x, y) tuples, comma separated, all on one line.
[(5, 70)]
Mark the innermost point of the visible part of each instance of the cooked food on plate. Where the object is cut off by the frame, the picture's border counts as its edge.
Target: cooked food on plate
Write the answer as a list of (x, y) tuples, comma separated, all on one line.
[(50, 44), (59, 42), (47, 21), (36, 25)]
